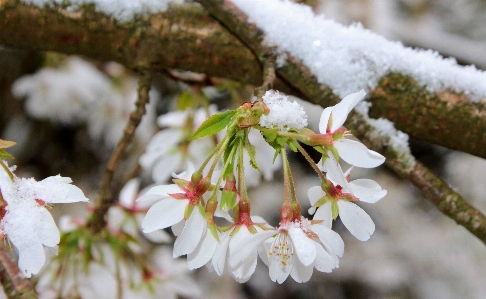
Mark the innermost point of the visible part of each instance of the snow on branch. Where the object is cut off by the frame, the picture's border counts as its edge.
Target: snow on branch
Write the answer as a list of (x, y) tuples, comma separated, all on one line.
[(386, 141)]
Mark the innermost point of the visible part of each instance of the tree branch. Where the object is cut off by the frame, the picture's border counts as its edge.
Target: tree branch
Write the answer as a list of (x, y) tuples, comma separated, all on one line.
[(445, 199), (14, 284), (186, 37), (105, 197)]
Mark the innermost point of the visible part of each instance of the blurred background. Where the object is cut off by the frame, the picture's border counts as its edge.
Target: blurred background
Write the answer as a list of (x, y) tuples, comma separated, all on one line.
[(67, 113)]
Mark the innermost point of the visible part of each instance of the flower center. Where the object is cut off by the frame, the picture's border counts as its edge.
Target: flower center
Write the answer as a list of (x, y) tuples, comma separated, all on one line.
[(282, 248)]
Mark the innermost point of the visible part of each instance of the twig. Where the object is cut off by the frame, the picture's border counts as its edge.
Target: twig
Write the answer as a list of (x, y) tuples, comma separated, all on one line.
[(269, 77), (105, 198), (299, 77), (14, 284)]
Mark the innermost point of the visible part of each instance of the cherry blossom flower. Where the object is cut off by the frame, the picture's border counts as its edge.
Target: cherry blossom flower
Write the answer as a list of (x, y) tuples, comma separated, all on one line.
[(27, 223), (237, 250), (338, 198), (128, 214), (353, 152), (298, 248)]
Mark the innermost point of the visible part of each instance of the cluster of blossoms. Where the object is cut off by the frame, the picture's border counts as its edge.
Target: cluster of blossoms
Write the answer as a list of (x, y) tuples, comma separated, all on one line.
[(218, 188)]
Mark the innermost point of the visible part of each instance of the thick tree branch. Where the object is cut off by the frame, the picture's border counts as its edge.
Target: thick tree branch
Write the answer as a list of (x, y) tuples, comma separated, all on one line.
[(14, 284), (105, 197), (433, 188), (185, 37)]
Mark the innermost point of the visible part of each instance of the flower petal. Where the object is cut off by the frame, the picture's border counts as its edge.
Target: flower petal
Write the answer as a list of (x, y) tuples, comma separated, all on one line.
[(324, 262), (335, 173), (324, 120), (191, 234), (48, 233), (219, 257), (329, 238), (301, 273), (129, 192), (303, 246), (367, 190), (203, 252), (278, 270), (356, 220), (324, 213), (165, 166), (160, 192), (58, 189), (315, 193), (244, 270), (341, 110), (248, 245), (163, 214), (357, 154)]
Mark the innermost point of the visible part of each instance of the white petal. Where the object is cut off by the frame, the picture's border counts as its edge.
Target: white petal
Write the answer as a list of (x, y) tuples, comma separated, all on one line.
[(324, 119), (324, 262), (367, 190), (264, 249), (301, 273), (219, 257), (31, 258), (165, 166), (248, 245), (57, 189), (191, 234), (160, 192), (341, 110), (244, 270), (277, 270), (357, 154), (237, 240), (329, 238), (315, 193), (48, 233), (129, 192), (158, 236), (356, 220), (335, 173), (178, 227), (324, 213), (303, 246), (204, 251), (163, 214)]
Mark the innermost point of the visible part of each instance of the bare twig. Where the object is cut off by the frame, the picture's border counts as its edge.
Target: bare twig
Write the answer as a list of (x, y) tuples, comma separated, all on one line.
[(14, 284), (298, 76), (105, 197), (269, 77)]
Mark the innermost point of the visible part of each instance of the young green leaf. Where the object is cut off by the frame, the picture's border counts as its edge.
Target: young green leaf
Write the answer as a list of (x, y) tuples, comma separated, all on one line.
[(214, 124), (5, 155)]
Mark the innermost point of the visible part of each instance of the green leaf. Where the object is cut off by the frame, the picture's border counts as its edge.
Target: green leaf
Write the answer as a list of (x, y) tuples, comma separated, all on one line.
[(5, 155), (335, 210), (214, 124), (228, 200), (277, 151), (185, 100), (6, 143), (250, 148)]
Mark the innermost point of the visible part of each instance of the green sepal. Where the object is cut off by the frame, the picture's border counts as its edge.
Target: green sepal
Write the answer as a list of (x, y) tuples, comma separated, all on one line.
[(250, 148), (335, 210), (321, 149), (214, 231), (185, 100), (270, 135), (228, 200), (335, 153), (277, 152), (180, 182), (214, 124), (292, 146), (188, 211), (5, 155)]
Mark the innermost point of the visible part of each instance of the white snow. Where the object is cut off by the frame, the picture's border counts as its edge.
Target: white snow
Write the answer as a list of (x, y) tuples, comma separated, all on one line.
[(284, 114), (351, 58), (120, 10)]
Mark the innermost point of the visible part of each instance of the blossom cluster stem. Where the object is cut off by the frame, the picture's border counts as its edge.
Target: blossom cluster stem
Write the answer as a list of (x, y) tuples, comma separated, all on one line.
[(14, 284), (311, 162), (105, 197), (268, 77)]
